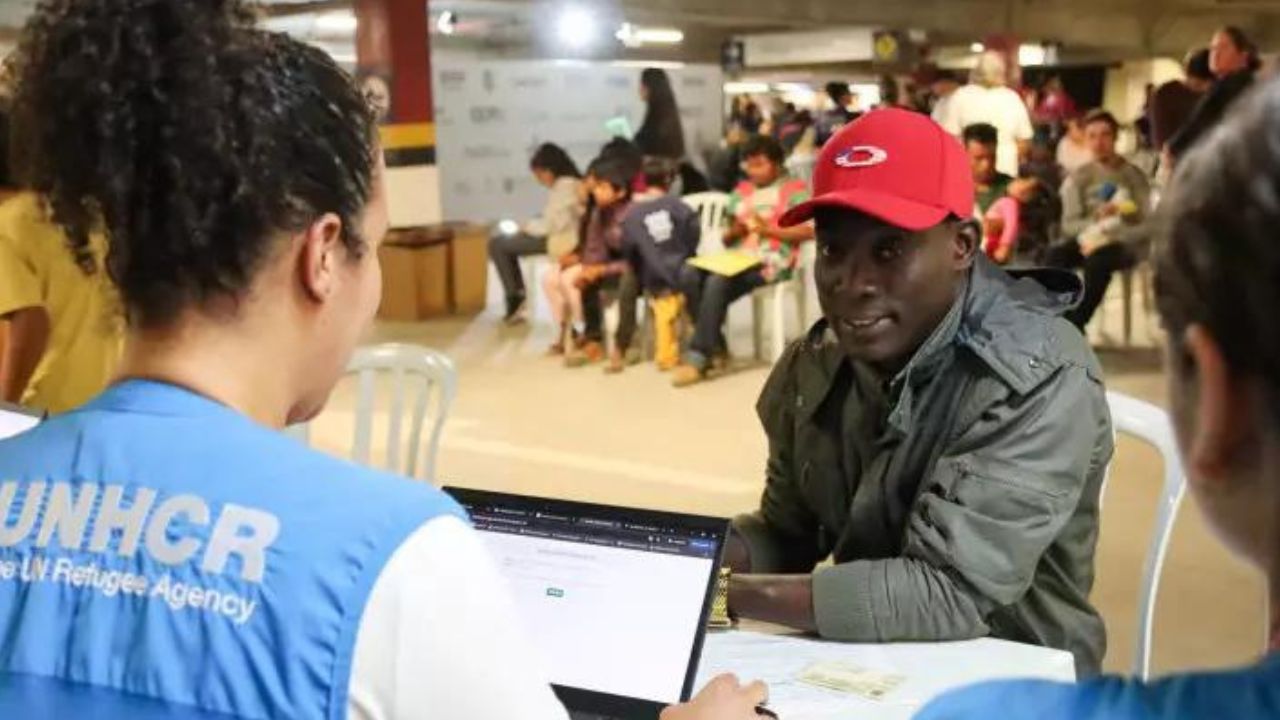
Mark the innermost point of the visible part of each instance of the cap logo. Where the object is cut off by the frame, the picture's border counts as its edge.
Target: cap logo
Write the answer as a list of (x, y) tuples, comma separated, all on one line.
[(860, 156)]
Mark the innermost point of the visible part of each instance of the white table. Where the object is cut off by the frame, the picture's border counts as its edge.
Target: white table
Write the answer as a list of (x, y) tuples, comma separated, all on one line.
[(930, 669)]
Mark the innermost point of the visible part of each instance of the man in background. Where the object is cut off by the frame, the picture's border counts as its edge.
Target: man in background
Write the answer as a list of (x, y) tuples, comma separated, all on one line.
[(835, 118), (988, 99), (1174, 102), (941, 435), (1105, 205), (982, 142), (62, 334)]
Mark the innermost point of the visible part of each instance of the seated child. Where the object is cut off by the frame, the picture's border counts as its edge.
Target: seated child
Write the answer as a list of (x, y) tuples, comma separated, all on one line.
[(754, 209), (659, 235), (598, 260), (1002, 222)]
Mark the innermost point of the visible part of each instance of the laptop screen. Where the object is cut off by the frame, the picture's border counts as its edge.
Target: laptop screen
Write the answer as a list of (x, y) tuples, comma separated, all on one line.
[(615, 599), (14, 421)]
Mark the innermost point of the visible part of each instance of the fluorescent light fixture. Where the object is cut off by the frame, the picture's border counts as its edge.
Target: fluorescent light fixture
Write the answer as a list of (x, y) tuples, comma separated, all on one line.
[(340, 21), (663, 64), (447, 23), (977, 47), (634, 36), (1030, 55), (746, 88), (576, 28), (508, 227)]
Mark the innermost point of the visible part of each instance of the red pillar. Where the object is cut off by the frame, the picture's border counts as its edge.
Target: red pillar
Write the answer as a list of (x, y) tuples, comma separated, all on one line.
[(393, 51)]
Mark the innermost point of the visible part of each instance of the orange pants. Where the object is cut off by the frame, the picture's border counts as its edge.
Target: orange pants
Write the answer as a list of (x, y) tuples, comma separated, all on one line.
[(667, 312)]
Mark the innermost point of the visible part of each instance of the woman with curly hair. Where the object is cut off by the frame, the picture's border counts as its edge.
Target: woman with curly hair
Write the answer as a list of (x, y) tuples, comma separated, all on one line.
[(165, 552)]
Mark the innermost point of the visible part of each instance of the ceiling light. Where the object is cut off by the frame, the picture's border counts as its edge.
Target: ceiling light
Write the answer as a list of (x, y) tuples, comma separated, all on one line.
[(746, 88), (977, 47), (633, 36), (1031, 55), (447, 23), (576, 28), (337, 22)]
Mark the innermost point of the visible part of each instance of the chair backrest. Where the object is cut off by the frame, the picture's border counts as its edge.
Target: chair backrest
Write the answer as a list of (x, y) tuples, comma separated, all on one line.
[(436, 381), (801, 166), (425, 377), (1151, 424), (713, 210)]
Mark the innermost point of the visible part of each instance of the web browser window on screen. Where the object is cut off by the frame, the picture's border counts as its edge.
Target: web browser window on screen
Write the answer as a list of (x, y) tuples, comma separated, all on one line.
[(13, 423), (613, 606)]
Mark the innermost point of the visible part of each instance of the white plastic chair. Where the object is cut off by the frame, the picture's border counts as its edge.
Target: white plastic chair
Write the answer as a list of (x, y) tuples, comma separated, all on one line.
[(432, 380), (771, 300), (801, 166), (1151, 425), (713, 216)]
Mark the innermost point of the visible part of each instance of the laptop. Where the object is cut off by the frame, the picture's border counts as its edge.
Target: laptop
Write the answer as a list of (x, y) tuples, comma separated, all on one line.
[(616, 599), (15, 420)]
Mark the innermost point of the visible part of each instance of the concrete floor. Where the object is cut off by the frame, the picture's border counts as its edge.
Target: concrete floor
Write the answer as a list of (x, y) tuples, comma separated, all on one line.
[(524, 423)]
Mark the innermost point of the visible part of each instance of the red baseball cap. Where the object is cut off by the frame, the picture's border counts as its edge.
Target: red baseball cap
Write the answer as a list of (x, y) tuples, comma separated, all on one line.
[(895, 165)]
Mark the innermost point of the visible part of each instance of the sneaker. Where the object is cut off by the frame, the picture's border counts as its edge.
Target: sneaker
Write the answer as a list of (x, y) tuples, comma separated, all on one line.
[(616, 364), (634, 356), (686, 375), (588, 354), (517, 313)]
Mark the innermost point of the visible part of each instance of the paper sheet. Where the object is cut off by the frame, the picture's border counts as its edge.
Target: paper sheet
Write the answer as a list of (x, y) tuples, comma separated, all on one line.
[(930, 670), (729, 263)]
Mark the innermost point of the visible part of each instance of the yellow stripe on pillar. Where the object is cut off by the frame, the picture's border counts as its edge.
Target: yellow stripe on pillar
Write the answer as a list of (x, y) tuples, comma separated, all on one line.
[(405, 136)]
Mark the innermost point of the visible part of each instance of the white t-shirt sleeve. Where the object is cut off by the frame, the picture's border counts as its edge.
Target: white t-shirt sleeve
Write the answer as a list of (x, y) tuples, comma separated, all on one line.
[(440, 638), (1022, 129)]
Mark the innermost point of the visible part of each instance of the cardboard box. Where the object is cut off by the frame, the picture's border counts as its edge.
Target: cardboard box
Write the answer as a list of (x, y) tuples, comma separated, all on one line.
[(415, 276), (469, 268)]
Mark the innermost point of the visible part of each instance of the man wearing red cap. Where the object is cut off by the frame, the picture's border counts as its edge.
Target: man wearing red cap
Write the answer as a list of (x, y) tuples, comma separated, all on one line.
[(942, 435)]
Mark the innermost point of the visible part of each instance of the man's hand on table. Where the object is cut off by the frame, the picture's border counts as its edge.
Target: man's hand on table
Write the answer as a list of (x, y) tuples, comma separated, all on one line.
[(724, 698), (778, 599)]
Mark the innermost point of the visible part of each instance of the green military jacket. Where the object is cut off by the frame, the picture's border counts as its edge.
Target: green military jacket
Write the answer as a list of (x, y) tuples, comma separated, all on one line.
[(957, 500)]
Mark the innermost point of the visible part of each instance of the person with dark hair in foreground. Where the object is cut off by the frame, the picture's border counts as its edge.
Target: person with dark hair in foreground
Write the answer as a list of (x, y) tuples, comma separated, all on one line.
[(180, 556), (1217, 294), (554, 232), (755, 208), (1105, 205), (941, 435)]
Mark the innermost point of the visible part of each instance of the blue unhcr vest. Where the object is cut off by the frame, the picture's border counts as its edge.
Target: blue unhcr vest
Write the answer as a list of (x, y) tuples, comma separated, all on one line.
[(162, 556)]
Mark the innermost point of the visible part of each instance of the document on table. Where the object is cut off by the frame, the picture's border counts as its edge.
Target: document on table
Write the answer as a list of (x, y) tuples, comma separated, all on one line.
[(923, 671)]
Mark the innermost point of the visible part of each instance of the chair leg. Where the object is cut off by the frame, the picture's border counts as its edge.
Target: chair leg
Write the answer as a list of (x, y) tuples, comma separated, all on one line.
[(757, 324), (802, 305), (779, 322), (1126, 287)]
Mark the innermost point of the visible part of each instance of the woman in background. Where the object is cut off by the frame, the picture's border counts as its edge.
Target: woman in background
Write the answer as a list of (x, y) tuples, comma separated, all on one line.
[(661, 134), (554, 232)]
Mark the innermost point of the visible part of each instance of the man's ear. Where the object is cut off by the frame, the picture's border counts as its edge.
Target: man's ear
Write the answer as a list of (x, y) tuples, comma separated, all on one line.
[(319, 256), (967, 237), (1221, 406)]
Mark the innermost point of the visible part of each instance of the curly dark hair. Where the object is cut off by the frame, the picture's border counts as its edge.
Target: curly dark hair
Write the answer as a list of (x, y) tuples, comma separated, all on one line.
[(1219, 259), (190, 137)]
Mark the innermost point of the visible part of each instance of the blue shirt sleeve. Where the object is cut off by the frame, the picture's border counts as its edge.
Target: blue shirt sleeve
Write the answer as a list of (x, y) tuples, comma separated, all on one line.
[(1245, 694)]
